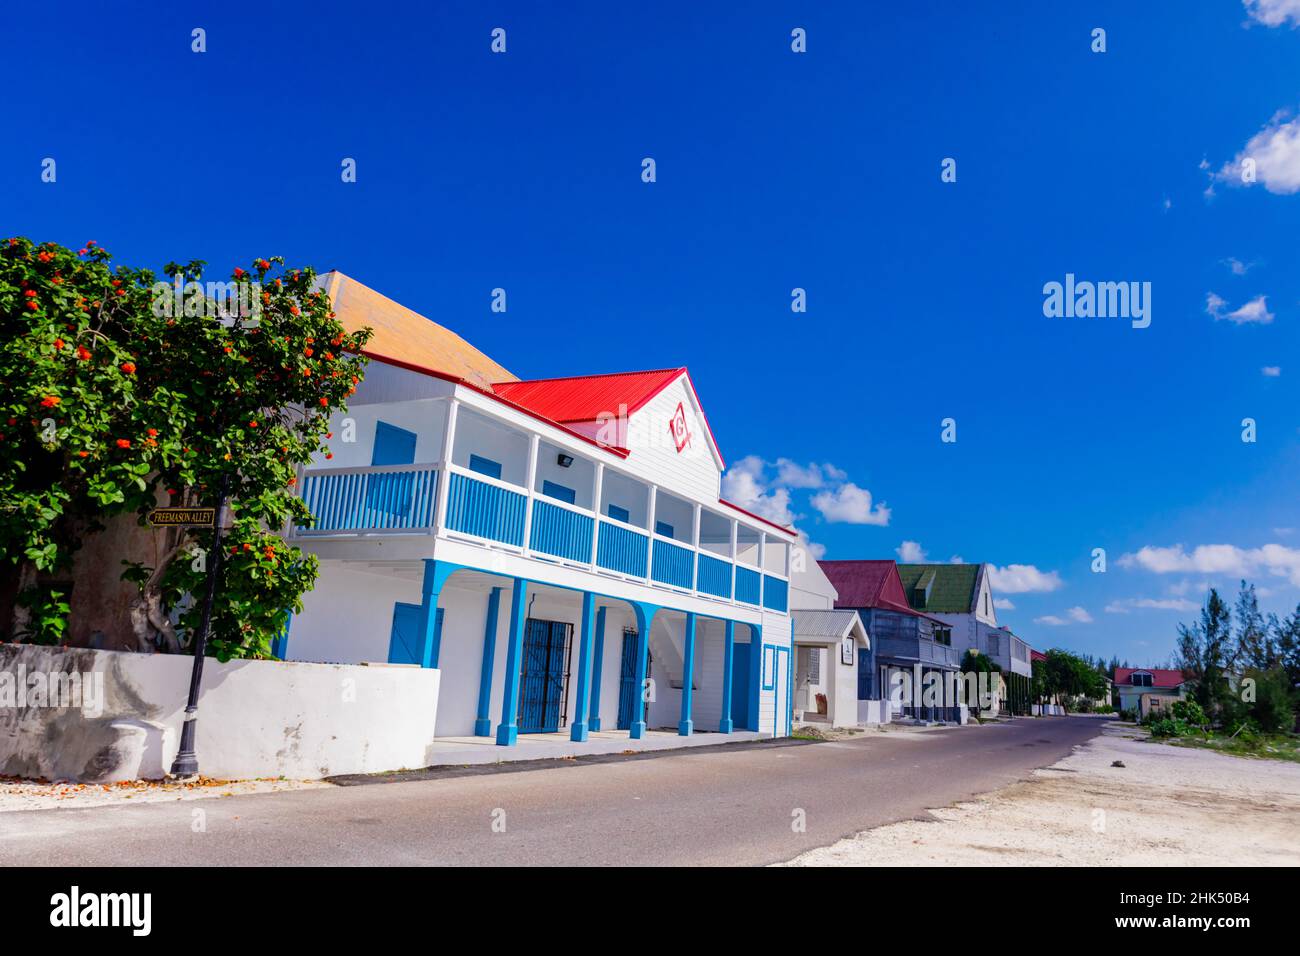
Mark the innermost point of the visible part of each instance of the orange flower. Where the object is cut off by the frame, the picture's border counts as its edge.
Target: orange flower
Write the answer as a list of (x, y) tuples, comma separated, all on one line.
[(82, 454), (83, 353), (58, 343), (128, 368), (49, 401), (124, 443), (153, 433)]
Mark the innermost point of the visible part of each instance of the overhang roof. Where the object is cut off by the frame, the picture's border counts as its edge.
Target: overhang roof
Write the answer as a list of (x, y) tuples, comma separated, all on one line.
[(818, 626)]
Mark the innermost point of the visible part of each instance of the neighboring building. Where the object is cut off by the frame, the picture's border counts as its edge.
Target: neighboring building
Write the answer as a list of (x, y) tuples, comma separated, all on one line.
[(547, 545), (961, 595), (827, 643), (1147, 689), (903, 640)]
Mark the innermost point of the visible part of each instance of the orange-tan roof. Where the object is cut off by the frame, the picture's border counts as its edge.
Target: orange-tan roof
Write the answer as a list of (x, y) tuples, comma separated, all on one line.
[(407, 336)]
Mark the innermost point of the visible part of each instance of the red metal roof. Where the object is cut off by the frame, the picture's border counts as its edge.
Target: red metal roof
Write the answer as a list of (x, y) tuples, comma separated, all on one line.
[(1036, 655), (1160, 677), (869, 584), (585, 398)]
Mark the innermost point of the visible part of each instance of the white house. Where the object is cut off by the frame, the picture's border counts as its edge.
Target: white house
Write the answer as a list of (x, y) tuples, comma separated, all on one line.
[(827, 643), (551, 547)]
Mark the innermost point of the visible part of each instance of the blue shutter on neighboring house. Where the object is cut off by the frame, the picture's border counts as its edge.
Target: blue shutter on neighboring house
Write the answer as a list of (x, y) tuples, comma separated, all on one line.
[(559, 492), (485, 466), (619, 514)]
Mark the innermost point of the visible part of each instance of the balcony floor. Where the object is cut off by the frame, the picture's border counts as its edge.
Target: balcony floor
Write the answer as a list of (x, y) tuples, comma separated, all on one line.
[(460, 751)]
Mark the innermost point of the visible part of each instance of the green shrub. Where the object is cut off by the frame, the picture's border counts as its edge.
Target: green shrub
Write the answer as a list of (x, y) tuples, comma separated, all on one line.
[(1190, 712)]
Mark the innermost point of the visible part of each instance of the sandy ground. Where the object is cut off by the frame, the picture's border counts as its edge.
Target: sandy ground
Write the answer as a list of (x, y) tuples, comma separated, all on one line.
[(26, 795), (1167, 806)]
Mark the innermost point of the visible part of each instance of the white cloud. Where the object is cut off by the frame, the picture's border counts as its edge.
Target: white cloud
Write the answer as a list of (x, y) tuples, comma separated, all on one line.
[(1218, 559), (1283, 532), (1256, 310), (744, 485), (815, 551), (1075, 615), (1023, 579), (1003, 604), (1273, 13), (850, 504), (910, 552), (956, 559), (794, 475), (1271, 371), (1238, 267), (1156, 604), (1275, 152), (1253, 312)]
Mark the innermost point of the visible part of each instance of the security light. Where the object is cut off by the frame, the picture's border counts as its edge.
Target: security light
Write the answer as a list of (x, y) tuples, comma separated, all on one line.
[(563, 460)]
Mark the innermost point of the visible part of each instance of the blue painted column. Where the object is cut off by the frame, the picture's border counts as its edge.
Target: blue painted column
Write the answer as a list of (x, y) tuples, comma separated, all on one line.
[(686, 725), (483, 723), (645, 615), (508, 729), (436, 574), (583, 703), (755, 673), (728, 662), (597, 668)]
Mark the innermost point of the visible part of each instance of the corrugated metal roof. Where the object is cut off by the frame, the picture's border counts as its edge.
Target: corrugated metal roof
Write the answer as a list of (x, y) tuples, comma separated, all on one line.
[(585, 398), (952, 586), (406, 336), (823, 625), (872, 583), (1160, 676)]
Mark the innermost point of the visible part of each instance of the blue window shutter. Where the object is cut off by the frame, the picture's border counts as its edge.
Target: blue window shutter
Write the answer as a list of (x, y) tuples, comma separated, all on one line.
[(559, 492), (619, 514), (664, 528), (485, 466), (403, 642), (393, 445)]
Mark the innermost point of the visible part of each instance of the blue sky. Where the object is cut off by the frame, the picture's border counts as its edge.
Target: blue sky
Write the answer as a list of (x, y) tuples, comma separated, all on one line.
[(776, 170)]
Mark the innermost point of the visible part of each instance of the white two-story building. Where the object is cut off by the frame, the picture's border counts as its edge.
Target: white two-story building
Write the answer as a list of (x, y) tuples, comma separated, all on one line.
[(557, 549)]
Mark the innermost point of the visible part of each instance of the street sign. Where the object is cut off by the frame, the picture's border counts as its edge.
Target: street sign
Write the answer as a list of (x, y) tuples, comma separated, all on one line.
[(182, 517)]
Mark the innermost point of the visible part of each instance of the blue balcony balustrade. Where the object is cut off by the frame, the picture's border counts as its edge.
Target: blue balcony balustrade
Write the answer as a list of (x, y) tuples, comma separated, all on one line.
[(672, 564), (361, 500), (748, 583), (486, 510), (713, 576), (621, 549), (561, 532), (776, 593)]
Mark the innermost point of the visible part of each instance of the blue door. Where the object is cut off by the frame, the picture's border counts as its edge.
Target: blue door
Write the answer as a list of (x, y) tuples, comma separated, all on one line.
[(740, 685), (627, 681), (543, 682), (404, 645)]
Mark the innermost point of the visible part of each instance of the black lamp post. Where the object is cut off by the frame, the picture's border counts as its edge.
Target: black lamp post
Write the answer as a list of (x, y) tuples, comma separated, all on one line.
[(186, 765)]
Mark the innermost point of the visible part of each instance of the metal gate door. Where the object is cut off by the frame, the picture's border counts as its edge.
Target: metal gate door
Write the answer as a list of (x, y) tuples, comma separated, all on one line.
[(627, 681), (544, 680)]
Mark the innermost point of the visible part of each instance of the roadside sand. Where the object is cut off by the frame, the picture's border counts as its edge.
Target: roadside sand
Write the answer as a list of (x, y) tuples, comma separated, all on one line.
[(1168, 806), (27, 795)]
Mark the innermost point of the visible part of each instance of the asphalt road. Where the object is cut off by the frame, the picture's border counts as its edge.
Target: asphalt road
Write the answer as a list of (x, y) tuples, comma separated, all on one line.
[(727, 805)]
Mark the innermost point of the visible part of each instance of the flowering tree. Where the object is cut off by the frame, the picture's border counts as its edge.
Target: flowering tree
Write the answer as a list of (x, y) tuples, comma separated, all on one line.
[(118, 393)]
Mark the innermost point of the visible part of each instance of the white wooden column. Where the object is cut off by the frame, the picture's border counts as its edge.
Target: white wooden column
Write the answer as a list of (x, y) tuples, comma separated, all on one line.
[(448, 444), (530, 480)]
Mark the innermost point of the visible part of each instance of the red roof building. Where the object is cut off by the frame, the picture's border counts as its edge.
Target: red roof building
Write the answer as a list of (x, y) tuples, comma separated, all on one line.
[(1160, 677)]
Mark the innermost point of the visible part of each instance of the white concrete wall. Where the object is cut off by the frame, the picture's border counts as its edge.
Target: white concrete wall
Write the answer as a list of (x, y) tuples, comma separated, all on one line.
[(427, 418), (810, 589), (255, 719), (348, 617)]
